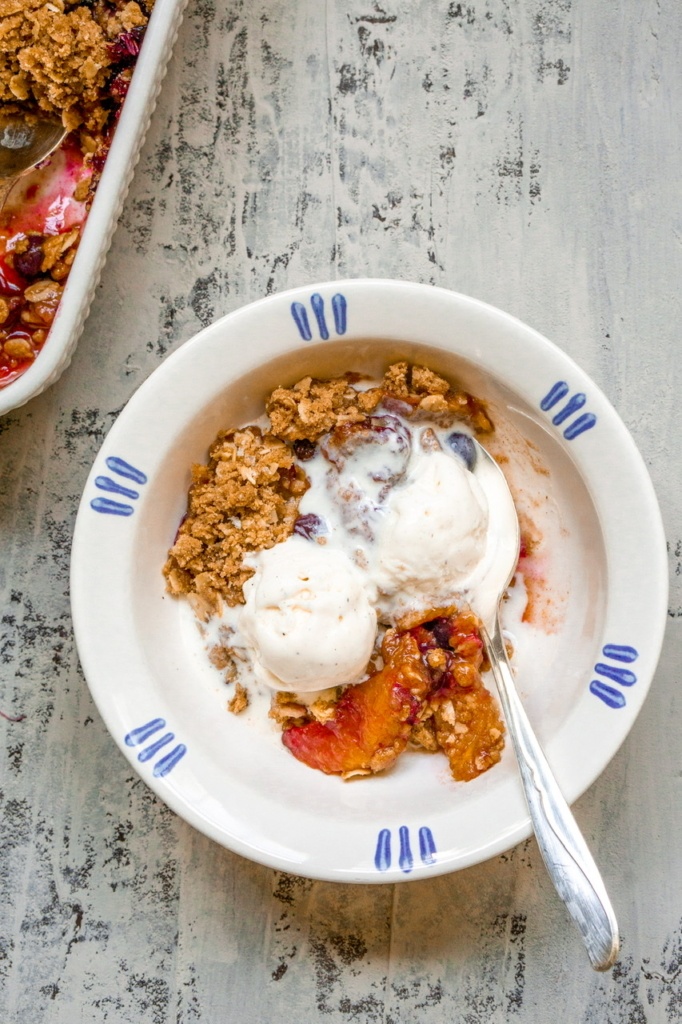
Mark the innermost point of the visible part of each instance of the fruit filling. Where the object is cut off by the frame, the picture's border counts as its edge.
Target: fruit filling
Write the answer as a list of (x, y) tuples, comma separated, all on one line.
[(331, 552), (429, 694), (70, 60)]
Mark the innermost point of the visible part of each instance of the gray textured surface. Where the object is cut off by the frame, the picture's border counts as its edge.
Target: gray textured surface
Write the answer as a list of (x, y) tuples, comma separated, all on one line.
[(525, 153)]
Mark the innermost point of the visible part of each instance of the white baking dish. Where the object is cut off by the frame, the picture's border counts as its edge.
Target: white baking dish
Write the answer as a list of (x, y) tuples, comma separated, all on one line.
[(138, 107)]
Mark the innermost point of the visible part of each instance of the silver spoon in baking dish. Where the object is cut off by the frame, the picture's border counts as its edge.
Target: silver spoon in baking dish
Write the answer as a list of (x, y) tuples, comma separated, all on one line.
[(22, 146), (564, 851)]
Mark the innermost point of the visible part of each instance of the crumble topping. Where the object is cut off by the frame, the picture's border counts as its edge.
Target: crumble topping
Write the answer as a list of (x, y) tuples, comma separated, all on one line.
[(244, 500), (56, 57), (312, 407)]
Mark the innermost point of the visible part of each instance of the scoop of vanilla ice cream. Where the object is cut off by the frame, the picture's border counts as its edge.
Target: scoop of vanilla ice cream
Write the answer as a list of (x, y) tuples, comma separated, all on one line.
[(307, 617), (433, 538)]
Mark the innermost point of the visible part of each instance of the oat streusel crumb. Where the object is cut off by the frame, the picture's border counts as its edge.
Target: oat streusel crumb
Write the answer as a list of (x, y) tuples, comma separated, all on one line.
[(313, 407), (286, 708), (240, 700), (244, 500), (432, 395), (55, 56)]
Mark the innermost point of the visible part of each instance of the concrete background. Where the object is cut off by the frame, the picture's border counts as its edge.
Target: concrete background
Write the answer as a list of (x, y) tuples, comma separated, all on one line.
[(525, 153)]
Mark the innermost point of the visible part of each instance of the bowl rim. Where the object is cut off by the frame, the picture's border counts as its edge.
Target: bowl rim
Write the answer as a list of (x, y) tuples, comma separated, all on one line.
[(369, 289)]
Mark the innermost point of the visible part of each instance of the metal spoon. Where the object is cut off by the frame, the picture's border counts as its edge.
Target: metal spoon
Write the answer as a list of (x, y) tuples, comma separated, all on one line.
[(564, 851), (22, 146)]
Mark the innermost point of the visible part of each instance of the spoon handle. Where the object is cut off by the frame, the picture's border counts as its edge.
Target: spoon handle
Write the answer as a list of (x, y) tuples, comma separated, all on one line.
[(564, 851)]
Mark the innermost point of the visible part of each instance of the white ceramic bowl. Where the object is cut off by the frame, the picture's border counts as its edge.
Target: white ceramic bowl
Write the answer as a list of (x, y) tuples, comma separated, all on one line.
[(57, 352), (583, 671)]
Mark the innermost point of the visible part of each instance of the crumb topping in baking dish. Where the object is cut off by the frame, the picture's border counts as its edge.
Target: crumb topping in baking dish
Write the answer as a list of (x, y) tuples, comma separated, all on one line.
[(72, 60), (57, 57)]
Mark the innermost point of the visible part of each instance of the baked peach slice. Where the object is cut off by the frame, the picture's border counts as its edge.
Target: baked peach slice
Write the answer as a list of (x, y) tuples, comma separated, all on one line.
[(429, 693), (372, 721)]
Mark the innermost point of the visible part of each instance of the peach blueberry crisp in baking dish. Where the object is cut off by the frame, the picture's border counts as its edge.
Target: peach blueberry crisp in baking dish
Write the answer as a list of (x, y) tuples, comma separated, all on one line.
[(331, 551), (71, 60)]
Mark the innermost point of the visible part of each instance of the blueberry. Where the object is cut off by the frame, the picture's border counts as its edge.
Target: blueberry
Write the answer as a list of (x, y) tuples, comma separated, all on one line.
[(304, 449), (463, 446), (29, 263), (310, 526), (442, 629), (126, 46)]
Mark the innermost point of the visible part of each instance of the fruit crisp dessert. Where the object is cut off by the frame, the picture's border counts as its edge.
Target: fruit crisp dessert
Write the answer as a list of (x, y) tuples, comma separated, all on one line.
[(329, 552), (71, 60)]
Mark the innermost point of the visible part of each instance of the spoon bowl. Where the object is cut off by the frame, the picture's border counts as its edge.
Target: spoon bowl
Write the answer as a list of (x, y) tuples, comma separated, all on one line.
[(564, 851), (501, 557), (22, 146)]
